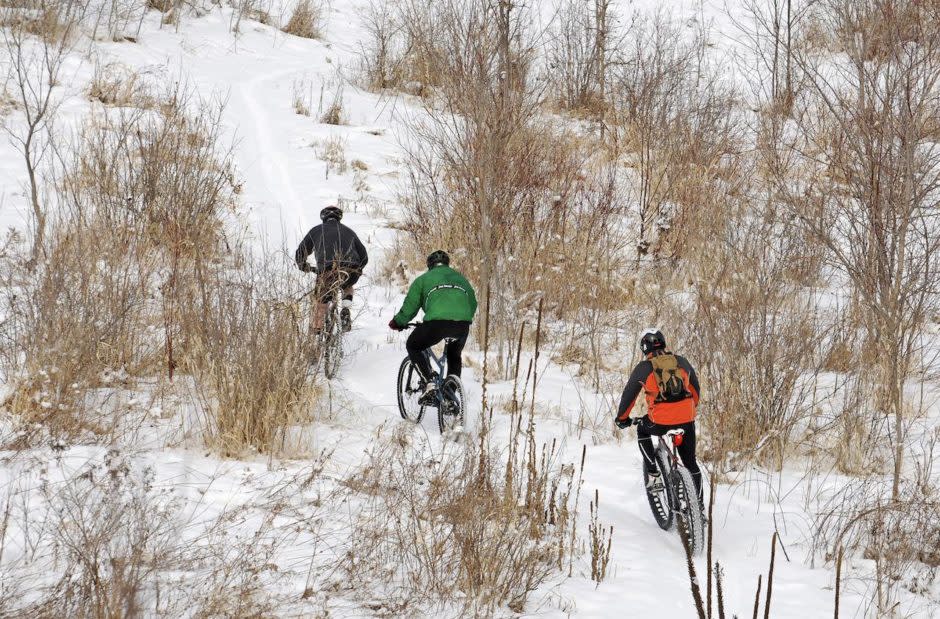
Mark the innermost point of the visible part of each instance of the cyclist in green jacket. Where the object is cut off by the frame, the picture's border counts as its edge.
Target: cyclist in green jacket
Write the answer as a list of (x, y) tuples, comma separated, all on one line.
[(449, 303)]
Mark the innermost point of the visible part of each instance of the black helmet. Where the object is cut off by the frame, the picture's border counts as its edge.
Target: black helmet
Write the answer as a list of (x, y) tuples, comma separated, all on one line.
[(438, 257), (653, 339), (331, 212)]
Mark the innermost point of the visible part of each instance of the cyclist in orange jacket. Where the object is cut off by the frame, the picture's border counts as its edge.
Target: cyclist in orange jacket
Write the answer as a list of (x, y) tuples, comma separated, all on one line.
[(672, 394)]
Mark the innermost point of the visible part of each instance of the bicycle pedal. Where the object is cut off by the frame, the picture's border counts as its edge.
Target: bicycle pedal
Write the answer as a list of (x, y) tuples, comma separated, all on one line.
[(429, 398)]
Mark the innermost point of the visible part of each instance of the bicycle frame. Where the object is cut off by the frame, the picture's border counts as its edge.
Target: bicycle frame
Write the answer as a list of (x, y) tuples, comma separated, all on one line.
[(676, 437), (439, 376)]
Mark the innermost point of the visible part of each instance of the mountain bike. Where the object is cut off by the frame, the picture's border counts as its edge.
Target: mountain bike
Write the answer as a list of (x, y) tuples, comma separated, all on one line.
[(676, 501), (449, 399), (329, 341)]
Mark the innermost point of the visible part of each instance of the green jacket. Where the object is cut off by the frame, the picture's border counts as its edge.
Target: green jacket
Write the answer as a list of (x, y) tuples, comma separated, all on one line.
[(443, 294)]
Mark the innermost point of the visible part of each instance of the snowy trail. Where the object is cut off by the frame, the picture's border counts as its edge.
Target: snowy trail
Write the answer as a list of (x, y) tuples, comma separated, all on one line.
[(274, 164)]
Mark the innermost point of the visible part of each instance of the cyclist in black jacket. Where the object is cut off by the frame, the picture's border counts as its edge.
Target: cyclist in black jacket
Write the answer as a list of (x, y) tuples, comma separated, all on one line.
[(340, 258)]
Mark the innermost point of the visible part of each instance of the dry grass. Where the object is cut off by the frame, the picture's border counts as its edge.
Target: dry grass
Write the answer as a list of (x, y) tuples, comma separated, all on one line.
[(332, 151), (302, 94), (107, 539), (460, 532), (331, 109), (116, 85), (250, 357), (306, 20)]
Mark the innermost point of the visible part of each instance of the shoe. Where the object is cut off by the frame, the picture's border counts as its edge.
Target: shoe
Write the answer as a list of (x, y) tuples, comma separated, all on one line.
[(429, 397), (345, 319), (654, 483)]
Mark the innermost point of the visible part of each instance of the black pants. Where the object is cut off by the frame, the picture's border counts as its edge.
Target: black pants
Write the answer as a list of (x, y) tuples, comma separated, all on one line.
[(646, 430), (428, 334)]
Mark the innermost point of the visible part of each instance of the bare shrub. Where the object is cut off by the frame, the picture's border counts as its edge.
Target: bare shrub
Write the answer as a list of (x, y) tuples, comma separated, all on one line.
[(866, 182), (382, 51), (535, 205), (250, 358), (81, 324), (577, 54), (116, 533), (897, 532), (748, 329), (33, 68), (306, 20), (775, 33), (107, 539), (141, 189), (674, 123), (460, 532), (257, 10)]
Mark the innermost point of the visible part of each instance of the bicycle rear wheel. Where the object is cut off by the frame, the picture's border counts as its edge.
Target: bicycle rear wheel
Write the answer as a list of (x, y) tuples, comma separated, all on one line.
[(332, 343), (450, 414), (660, 503), (409, 392), (689, 512)]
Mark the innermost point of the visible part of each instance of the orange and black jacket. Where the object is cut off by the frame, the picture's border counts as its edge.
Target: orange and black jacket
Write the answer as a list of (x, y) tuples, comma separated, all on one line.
[(662, 413)]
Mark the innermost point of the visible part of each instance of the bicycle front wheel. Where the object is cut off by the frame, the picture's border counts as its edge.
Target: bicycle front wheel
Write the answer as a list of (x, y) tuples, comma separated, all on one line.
[(409, 392), (450, 415)]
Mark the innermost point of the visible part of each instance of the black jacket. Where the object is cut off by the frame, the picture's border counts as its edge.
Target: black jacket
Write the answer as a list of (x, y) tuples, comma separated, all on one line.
[(332, 243)]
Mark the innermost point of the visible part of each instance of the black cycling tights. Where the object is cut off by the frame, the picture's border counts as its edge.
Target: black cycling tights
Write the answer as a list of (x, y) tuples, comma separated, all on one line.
[(431, 332), (646, 430)]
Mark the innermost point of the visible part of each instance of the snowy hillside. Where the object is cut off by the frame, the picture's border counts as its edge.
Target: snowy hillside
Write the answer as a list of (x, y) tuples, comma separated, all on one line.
[(121, 492)]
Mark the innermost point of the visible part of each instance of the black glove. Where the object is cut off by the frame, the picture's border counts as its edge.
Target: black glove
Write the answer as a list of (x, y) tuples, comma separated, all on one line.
[(394, 326), (624, 423), (307, 268)]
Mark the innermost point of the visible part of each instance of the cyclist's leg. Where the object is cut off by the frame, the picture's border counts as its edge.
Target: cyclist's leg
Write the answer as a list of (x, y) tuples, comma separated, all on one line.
[(322, 291), (349, 282), (459, 331), (423, 337), (687, 455), (644, 438)]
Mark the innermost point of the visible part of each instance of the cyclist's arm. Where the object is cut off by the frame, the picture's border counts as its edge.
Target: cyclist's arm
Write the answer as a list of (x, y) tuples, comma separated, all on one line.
[(409, 309), (693, 379), (305, 248), (473, 298), (361, 250), (632, 390)]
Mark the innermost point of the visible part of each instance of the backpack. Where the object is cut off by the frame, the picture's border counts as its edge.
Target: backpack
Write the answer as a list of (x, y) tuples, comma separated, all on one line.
[(669, 378)]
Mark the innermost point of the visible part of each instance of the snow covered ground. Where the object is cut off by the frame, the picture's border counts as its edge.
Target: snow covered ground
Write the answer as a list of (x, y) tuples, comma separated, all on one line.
[(285, 184)]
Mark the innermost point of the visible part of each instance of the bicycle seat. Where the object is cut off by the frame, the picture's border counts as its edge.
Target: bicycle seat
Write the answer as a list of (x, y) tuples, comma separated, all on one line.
[(450, 340), (676, 432)]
